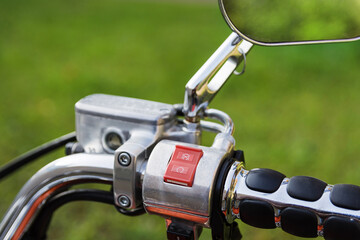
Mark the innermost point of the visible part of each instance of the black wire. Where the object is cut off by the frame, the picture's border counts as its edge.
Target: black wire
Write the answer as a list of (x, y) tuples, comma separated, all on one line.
[(40, 225), (42, 221), (133, 213), (35, 153)]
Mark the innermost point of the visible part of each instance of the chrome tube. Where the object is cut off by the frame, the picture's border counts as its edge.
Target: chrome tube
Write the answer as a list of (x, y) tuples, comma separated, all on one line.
[(57, 175), (223, 118), (211, 126)]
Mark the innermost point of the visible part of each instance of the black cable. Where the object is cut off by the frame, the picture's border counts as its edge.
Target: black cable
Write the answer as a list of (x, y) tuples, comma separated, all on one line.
[(39, 226), (220, 228), (41, 223), (133, 213), (35, 153)]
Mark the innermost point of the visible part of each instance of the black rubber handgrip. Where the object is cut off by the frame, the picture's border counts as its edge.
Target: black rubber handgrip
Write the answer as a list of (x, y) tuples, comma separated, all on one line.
[(257, 214), (302, 206), (306, 188), (346, 196), (299, 222), (338, 228), (264, 180)]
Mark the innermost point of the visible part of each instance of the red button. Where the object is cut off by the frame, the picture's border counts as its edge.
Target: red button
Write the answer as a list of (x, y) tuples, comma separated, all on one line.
[(182, 166), (179, 169)]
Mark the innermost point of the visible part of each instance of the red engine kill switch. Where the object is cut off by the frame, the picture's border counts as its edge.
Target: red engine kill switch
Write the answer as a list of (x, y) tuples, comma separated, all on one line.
[(182, 166)]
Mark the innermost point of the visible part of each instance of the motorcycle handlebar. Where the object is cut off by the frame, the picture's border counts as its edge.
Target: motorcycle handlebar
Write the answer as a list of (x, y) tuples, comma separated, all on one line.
[(302, 206), (264, 198), (52, 179)]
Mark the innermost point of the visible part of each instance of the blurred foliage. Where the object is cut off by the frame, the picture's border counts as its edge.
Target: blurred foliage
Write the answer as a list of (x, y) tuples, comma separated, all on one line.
[(296, 109), (295, 20)]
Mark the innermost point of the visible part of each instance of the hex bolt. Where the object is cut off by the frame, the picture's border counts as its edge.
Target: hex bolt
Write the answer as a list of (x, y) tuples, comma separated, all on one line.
[(124, 159), (124, 201)]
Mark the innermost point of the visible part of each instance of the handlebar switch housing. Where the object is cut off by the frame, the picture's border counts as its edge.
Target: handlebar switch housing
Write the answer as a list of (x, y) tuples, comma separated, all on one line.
[(175, 201)]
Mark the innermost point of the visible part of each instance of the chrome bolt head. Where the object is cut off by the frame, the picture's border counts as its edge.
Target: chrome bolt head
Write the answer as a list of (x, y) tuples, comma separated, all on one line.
[(124, 159), (124, 201)]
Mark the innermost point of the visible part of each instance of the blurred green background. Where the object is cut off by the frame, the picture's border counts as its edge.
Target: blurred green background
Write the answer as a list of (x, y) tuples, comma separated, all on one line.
[(296, 109)]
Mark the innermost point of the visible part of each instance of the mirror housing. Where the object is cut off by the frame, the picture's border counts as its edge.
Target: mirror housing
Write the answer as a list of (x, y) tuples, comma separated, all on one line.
[(279, 22)]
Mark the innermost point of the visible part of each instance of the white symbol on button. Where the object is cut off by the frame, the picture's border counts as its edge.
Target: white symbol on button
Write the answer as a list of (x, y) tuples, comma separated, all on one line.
[(180, 169), (185, 156)]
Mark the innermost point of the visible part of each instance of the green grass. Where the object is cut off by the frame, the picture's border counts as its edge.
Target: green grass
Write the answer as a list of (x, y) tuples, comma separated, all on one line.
[(296, 109)]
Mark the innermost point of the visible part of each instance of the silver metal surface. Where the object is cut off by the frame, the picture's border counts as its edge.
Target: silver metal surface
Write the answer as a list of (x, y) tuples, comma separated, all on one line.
[(235, 190), (126, 109), (188, 203), (99, 114), (172, 200), (208, 80), (211, 126), (142, 138), (231, 25), (127, 178), (185, 131), (225, 119), (67, 170), (139, 123)]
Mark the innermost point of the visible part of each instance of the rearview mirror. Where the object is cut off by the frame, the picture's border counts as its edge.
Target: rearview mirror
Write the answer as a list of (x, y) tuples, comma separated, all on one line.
[(281, 22)]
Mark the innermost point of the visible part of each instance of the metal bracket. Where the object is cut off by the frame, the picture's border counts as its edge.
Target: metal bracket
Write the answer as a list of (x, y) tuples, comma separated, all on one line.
[(209, 79)]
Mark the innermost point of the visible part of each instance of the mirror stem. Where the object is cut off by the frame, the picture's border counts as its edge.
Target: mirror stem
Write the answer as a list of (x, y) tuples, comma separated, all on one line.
[(209, 79)]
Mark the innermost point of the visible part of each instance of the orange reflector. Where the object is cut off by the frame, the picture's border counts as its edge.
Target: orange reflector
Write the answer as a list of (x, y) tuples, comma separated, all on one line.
[(235, 210)]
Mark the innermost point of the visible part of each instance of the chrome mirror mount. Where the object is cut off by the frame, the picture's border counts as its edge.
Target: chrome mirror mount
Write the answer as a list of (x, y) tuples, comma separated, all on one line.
[(209, 79)]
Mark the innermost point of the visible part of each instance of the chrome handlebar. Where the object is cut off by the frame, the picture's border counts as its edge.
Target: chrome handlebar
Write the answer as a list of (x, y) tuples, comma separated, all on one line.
[(55, 177), (61, 174), (264, 198)]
